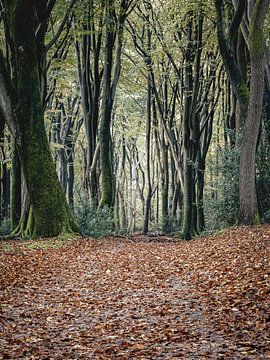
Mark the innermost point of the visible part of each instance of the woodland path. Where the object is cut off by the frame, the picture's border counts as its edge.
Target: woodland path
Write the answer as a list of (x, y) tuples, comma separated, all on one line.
[(146, 299)]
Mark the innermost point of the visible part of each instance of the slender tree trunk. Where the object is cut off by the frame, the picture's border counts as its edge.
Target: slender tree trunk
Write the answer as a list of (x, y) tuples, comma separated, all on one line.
[(165, 187), (121, 189), (62, 169), (105, 122), (133, 193), (112, 69), (188, 180), (148, 155), (199, 194), (71, 177)]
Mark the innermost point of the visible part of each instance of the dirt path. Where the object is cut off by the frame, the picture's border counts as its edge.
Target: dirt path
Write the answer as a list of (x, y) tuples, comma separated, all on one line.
[(113, 299)]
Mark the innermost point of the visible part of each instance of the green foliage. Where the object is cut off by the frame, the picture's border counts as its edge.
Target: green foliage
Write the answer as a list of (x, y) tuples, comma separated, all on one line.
[(5, 227), (243, 91), (222, 202), (94, 222), (262, 172)]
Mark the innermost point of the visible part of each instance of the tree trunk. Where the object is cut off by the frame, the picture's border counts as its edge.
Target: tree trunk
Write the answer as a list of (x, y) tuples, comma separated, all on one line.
[(105, 157), (248, 198), (187, 142), (165, 187), (71, 177), (49, 213), (105, 122), (133, 192), (148, 154), (199, 193), (16, 189)]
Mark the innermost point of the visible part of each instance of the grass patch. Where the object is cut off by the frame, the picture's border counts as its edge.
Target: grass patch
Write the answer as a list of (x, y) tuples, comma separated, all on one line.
[(7, 248), (31, 245), (43, 245)]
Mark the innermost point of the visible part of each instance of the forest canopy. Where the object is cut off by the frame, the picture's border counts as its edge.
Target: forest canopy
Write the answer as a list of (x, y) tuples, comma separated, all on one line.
[(133, 115)]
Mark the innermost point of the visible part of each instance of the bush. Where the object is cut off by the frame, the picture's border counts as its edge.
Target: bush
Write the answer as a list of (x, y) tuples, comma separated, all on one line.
[(94, 222), (222, 205), (262, 173), (5, 227)]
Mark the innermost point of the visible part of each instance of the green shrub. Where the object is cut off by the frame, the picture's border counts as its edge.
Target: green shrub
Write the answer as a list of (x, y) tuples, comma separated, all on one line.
[(94, 222), (5, 227), (263, 174), (222, 204)]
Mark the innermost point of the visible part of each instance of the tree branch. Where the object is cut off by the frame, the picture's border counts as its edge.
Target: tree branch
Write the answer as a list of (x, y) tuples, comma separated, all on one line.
[(236, 21), (61, 27)]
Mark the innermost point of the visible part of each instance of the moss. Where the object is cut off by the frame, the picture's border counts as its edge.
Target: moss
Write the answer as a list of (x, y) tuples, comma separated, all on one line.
[(32, 245), (107, 188), (243, 91), (43, 245), (69, 236), (256, 37), (257, 219), (256, 41), (7, 248)]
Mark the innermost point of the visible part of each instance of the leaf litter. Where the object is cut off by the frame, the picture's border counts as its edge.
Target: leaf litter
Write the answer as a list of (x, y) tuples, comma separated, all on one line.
[(142, 299)]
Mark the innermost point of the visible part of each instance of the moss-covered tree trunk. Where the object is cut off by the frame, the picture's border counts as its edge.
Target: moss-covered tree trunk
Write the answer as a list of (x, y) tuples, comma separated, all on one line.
[(49, 213), (16, 189)]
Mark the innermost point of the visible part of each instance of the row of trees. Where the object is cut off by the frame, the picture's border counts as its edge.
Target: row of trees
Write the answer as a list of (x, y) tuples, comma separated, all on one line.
[(122, 103)]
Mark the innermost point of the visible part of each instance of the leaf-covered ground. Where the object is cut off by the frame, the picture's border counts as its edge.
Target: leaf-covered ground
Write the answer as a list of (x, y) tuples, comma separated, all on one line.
[(142, 299)]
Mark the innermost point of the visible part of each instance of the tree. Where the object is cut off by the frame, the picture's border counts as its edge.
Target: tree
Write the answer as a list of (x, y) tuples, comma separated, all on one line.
[(248, 197), (90, 69), (112, 67), (250, 105), (49, 214)]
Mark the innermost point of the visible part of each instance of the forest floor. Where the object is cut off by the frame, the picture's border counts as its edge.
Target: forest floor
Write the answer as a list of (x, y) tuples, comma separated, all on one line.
[(137, 298)]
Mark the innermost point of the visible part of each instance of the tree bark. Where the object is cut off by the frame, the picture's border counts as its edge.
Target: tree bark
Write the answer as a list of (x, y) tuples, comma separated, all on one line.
[(148, 141), (248, 199), (105, 122), (16, 189)]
